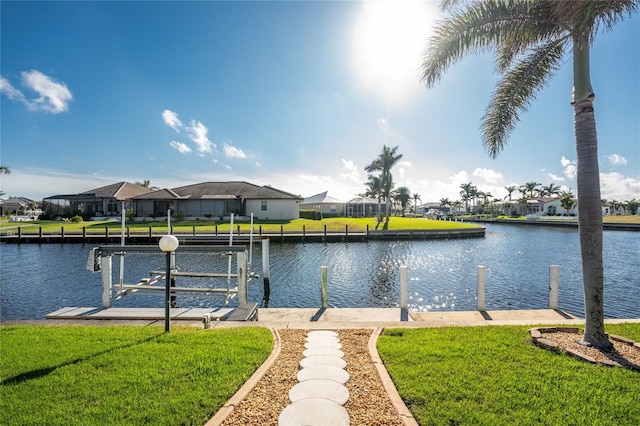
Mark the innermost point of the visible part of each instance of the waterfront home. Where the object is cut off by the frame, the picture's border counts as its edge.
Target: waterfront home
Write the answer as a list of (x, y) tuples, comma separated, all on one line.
[(329, 206), (219, 200), (98, 203), (20, 209)]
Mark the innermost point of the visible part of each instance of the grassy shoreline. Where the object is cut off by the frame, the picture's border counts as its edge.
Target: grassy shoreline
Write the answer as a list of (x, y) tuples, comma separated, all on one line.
[(451, 375), (297, 225)]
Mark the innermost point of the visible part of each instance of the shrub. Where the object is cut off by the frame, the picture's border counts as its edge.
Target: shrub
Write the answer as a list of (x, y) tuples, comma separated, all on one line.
[(311, 214), (76, 219)]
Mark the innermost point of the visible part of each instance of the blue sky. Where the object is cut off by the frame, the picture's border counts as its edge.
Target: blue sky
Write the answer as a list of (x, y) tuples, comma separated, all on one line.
[(297, 95)]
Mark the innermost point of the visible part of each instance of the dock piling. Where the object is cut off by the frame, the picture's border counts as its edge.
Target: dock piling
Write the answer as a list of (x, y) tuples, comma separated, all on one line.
[(323, 288), (481, 288), (554, 275)]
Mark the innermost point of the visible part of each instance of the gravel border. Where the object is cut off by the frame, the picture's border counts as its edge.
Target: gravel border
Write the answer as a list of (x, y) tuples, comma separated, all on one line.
[(373, 400)]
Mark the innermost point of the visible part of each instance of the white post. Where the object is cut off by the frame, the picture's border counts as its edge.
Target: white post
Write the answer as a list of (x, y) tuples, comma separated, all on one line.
[(242, 277), (266, 274), (122, 244), (481, 287), (323, 287), (554, 275), (404, 293), (107, 269), (251, 242)]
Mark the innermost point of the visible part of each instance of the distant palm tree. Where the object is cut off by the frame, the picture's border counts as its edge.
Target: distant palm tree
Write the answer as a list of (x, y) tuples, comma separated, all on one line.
[(5, 170), (374, 190), (416, 197), (403, 195), (531, 38), (383, 164), (567, 201), (147, 184), (549, 190), (530, 187), (457, 205), (510, 190), (467, 190)]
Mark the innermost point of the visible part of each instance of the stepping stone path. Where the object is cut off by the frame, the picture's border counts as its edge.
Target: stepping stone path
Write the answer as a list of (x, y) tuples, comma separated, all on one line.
[(320, 394)]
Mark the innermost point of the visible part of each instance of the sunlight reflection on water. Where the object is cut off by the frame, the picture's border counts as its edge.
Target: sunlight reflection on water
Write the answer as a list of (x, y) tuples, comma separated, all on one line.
[(38, 279)]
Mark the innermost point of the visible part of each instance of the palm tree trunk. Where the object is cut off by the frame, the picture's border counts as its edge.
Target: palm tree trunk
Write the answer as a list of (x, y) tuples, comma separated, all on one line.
[(590, 214)]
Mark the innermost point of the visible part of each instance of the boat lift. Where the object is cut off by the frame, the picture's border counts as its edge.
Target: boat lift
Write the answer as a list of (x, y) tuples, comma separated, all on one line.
[(103, 256), (101, 260)]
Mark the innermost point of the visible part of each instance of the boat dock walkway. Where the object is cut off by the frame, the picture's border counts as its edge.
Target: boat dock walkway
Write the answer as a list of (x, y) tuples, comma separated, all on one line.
[(313, 318)]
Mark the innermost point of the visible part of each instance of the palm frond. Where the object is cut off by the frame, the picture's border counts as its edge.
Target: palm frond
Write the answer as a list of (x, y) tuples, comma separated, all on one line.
[(515, 91)]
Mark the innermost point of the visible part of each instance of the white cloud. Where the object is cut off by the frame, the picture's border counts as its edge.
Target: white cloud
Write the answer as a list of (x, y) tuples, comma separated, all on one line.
[(555, 178), (172, 120), (615, 186), (198, 134), (351, 171), (181, 147), (487, 175), (617, 160), (570, 168), (11, 92), (54, 96), (233, 152)]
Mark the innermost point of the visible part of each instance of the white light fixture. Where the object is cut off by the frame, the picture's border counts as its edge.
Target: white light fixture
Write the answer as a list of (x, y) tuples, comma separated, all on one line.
[(168, 243)]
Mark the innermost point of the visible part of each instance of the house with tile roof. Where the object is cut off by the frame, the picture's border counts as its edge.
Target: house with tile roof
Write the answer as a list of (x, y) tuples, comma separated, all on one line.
[(219, 200), (106, 201)]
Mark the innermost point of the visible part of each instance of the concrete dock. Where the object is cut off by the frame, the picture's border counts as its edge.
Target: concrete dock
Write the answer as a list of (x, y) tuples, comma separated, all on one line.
[(314, 318)]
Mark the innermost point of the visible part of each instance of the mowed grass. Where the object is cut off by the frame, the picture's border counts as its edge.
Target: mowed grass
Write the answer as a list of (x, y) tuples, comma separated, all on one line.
[(496, 376), (202, 227), (123, 375)]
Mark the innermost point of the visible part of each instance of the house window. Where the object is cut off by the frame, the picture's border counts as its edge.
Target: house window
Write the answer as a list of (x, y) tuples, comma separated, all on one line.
[(264, 206)]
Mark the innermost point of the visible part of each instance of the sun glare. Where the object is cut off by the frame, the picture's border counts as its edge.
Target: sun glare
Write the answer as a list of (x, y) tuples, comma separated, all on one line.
[(389, 36)]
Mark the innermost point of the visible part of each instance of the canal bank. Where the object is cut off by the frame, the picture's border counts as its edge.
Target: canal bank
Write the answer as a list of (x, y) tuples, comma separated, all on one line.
[(242, 237)]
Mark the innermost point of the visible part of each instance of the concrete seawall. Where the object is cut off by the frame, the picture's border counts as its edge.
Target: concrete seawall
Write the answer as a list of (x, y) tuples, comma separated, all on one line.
[(243, 238)]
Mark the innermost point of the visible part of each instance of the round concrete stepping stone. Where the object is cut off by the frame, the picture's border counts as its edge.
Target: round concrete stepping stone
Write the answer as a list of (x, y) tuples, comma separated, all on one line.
[(328, 333), (314, 412), (320, 360), (323, 372), (323, 351), (315, 344), (320, 388), (321, 338)]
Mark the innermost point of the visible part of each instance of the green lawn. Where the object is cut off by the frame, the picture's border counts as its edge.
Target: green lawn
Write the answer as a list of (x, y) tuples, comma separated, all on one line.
[(203, 227), (496, 376), (124, 375)]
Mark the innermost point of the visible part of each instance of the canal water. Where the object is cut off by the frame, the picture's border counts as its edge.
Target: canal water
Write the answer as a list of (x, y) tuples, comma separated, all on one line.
[(38, 279)]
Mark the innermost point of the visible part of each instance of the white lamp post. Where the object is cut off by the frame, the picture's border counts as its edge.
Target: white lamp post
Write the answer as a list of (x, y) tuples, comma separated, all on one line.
[(168, 244)]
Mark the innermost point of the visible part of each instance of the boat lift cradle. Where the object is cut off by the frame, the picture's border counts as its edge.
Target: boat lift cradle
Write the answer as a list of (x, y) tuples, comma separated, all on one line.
[(100, 260)]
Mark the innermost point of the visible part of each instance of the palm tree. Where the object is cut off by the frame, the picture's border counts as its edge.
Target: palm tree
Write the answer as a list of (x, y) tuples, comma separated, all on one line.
[(416, 197), (457, 205), (384, 163), (549, 190), (466, 194), (374, 190), (403, 195), (529, 187), (5, 170), (146, 183), (567, 201), (530, 38), (510, 190)]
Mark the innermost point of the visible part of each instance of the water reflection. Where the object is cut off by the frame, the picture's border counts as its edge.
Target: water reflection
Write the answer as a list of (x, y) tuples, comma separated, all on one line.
[(37, 280)]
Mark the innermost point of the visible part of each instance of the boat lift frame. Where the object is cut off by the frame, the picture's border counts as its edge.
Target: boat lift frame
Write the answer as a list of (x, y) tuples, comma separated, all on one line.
[(103, 261)]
